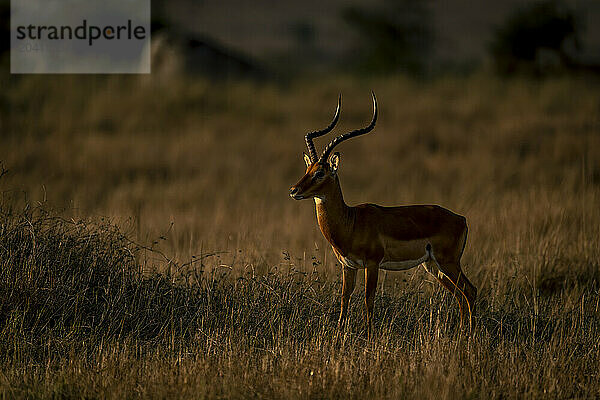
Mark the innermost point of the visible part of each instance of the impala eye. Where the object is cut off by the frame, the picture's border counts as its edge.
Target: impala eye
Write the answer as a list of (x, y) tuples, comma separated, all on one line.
[(318, 175)]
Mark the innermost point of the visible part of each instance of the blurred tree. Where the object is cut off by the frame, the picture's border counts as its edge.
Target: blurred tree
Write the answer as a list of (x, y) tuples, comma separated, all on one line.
[(537, 38), (304, 33), (397, 37), (4, 26), (177, 50), (159, 19)]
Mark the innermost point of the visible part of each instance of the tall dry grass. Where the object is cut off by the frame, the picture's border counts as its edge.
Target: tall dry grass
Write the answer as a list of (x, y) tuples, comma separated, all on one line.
[(202, 168)]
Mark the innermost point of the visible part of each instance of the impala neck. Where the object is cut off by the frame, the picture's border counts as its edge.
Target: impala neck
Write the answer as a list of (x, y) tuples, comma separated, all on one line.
[(335, 218)]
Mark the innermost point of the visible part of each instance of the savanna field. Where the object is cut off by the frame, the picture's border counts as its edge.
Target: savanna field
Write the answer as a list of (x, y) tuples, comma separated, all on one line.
[(149, 247)]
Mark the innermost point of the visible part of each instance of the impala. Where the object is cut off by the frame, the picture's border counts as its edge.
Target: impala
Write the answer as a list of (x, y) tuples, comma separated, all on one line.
[(373, 237)]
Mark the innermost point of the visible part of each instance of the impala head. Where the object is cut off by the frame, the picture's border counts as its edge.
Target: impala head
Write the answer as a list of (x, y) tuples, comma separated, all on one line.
[(321, 172), (318, 178)]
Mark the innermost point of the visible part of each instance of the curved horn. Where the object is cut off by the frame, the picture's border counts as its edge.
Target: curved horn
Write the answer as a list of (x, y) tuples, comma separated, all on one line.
[(312, 152), (351, 134)]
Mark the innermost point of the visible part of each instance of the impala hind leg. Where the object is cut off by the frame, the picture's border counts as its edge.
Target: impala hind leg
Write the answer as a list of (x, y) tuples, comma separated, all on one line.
[(371, 275), (450, 275), (349, 281)]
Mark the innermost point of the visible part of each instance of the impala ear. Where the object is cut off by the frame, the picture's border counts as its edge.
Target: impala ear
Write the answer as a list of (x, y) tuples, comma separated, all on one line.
[(307, 160), (334, 162)]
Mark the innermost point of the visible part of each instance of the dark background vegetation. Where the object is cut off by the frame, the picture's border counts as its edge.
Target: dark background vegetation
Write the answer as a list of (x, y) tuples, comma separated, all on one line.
[(148, 247)]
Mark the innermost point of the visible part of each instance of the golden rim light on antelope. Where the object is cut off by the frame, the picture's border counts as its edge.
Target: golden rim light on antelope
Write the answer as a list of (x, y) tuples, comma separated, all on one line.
[(373, 237)]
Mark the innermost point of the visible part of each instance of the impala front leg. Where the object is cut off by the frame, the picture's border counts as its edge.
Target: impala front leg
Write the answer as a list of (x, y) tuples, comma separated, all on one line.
[(371, 275), (349, 281)]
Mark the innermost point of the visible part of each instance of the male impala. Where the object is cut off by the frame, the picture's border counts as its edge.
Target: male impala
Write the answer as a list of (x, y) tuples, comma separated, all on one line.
[(372, 237)]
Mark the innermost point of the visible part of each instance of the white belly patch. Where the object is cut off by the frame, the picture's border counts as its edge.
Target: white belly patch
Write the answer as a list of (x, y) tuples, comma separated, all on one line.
[(352, 264), (388, 265), (402, 265)]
